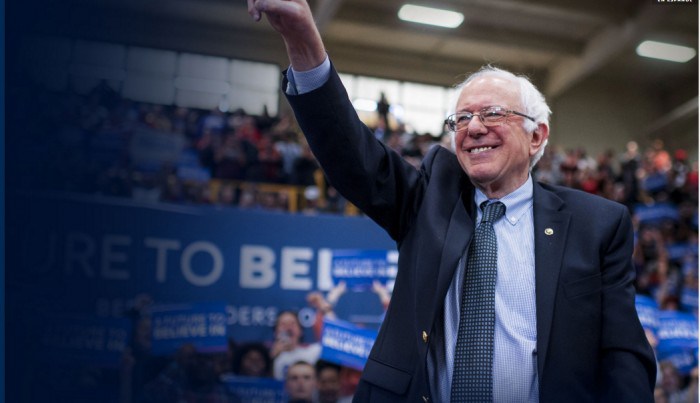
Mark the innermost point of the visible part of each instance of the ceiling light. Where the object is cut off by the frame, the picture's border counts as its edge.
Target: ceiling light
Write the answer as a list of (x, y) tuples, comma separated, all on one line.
[(665, 51), (430, 16)]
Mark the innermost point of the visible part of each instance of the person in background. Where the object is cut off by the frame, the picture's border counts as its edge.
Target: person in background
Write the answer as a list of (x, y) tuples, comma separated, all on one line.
[(300, 382), (671, 383), (288, 147), (252, 360), (303, 167), (287, 347), (328, 380), (692, 388), (630, 161)]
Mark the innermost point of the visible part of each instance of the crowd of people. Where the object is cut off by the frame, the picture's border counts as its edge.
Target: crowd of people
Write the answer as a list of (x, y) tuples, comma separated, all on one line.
[(291, 366), (92, 150), (96, 146)]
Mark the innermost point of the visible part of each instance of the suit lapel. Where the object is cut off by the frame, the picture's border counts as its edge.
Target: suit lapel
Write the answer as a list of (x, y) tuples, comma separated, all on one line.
[(459, 231), (458, 236), (551, 232)]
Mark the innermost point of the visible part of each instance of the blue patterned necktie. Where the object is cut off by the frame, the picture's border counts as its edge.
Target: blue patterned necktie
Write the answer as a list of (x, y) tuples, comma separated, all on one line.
[(473, 364)]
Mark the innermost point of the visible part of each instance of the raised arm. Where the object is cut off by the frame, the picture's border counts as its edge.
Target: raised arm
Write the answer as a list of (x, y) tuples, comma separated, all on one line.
[(364, 170), (294, 21)]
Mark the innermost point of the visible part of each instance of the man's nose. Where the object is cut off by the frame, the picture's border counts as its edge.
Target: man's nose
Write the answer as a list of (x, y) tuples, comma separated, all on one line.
[(476, 127)]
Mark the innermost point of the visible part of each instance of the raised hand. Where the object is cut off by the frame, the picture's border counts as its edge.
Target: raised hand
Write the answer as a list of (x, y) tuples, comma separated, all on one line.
[(294, 21)]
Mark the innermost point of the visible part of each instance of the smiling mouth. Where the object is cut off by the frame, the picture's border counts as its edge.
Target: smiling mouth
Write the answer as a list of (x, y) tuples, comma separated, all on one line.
[(478, 150)]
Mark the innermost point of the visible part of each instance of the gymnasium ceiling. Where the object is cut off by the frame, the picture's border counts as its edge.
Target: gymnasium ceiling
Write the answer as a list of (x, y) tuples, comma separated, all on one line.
[(560, 43)]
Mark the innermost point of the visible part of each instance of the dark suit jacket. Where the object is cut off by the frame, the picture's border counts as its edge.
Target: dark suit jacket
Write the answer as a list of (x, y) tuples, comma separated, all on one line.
[(590, 344)]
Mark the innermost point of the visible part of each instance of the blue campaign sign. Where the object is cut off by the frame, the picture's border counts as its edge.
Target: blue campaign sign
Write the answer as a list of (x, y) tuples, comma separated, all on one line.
[(86, 254), (85, 340), (677, 330), (202, 324), (678, 339), (359, 268), (647, 310), (346, 344), (656, 213), (655, 182), (682, 250), (684, 360), (256, 390)]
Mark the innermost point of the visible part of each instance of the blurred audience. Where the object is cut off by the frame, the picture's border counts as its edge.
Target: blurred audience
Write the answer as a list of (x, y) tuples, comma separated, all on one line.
[(192, 378), (107, 145)]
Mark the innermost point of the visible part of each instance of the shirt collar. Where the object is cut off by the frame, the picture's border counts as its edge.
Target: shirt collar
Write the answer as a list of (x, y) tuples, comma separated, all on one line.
[(517, 202)]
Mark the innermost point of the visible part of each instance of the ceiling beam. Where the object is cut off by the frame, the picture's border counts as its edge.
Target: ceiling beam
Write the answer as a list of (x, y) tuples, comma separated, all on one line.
[(553, 12), (685, 110), (378, 16), (601, 49)]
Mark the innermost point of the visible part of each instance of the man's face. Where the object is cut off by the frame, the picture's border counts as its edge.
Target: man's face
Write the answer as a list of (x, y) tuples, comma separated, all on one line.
[(328, 385), (301, 382), (496, 158)]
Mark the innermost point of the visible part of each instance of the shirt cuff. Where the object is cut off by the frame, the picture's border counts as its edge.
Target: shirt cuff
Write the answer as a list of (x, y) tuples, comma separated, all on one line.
[(301, 82)]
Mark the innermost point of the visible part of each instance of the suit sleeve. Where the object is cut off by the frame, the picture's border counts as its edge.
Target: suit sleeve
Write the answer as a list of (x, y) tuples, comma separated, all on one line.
[(364, 170), (628, 368)]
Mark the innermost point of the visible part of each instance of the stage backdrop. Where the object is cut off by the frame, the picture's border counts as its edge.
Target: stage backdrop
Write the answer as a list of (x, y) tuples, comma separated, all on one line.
[(77, 265)]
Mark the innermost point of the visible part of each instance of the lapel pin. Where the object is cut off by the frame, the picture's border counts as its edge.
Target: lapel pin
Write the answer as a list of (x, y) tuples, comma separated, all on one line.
[(548, 231)]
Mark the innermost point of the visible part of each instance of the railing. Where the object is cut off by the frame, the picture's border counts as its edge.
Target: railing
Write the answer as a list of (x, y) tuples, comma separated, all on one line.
[(293, 197)]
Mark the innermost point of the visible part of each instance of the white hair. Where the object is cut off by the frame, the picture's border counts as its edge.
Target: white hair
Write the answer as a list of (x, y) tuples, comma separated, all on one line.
[(531, 98)]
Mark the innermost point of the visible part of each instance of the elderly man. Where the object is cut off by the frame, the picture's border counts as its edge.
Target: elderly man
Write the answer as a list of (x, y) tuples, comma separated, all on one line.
[(507, 290)]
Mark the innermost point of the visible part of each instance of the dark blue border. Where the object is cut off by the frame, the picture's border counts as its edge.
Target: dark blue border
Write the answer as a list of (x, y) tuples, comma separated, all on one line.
[(2, 203)]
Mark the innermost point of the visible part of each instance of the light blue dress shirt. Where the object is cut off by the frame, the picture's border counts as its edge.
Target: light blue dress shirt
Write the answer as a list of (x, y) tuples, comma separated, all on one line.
[(515, 339), (301, 82)]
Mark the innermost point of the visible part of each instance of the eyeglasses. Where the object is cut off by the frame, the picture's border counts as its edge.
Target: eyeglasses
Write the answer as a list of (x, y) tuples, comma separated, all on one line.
[(491, 116)]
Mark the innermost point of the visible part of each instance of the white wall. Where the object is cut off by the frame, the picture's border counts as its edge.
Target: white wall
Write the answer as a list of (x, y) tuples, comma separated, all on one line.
[(600, 115)]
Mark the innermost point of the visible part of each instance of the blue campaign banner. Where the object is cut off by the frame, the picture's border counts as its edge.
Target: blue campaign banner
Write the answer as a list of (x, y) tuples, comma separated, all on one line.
[(647, 310), (683, 359), (85, 340), (681, 251), (656, 213), (678, 339), (655, 182), (359, 268), (346, 344), (96, 255), (202, 324), (256, 390), (677, 330)]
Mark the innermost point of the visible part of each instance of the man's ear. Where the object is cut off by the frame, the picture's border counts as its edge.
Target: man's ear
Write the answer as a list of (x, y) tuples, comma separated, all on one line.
[(539, 137)]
